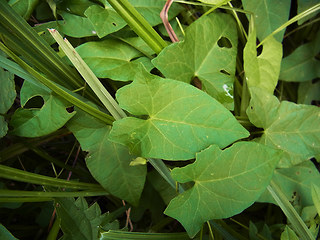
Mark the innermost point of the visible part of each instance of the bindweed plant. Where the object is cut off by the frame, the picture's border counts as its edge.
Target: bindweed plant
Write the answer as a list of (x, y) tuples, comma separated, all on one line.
[(115, 132)]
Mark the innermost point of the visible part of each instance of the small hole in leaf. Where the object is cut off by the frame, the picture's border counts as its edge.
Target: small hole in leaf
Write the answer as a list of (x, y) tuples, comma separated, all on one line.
[(114, 24), (251, 107), (224, 42), (70, 109), (35, 102), (225, 72), (196, 82), (259, 50)]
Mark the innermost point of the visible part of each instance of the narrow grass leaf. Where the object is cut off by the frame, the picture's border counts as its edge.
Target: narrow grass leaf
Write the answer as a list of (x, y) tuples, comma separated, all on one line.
[(222, 185), (122, 235), (89, 76), (169, 119)]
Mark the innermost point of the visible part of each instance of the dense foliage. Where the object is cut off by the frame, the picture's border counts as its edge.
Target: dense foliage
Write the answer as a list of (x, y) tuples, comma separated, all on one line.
[(216, 136)]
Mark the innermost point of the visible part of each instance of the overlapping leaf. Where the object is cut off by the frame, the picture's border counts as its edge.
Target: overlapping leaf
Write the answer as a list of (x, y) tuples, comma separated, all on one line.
[(302, 65), (308, 92), (7, 96), (208, 53), (113, 59), (23, 7), (295, 182), (35, 122), (288, 234), (78, 221), (268, 16), (291, 127), (223, 183), (174, 119), (108, 162), (262, 71)]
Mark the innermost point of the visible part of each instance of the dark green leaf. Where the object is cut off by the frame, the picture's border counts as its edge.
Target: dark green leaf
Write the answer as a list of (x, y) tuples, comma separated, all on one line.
[(23, 7), (77, 220), (35, 122), (7, 90), (208, 53), (223, 184), (108, 162), (302, 65), (179, 119), (268, 16), (304, 5), (5, 234), (308, 92)]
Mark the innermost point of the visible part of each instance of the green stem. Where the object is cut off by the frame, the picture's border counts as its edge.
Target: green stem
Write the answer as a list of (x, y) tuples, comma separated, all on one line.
[(289, 211), (54, 231), (34, 194), (138, 24), (23, 176), (26, 199)]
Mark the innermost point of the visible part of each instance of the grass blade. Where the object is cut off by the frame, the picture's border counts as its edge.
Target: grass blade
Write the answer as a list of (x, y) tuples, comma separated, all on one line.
[(119, 235), (89, 76), (17, 193)]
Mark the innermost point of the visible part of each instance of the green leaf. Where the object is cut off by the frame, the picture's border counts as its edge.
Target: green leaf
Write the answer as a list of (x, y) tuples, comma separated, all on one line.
[(268, 16), (208, 54), (315, 193), (76, 26), (77, 220), (35, 122), (223, 183), (290, 127), (302, 65), (77, 7), (308, 92), (104, 20), (262, 71), (24, 7), (7, 90), (113, 59), (7, 96), (288, 234), (109, 163), (295, 182), (304, 5), (176, 119), (215, 2), (5, 234), (150, 10), (42, 30)]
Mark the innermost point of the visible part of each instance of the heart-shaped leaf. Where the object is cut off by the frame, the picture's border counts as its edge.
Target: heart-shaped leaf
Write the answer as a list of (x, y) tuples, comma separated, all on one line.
[(223, 184), (174, 119)]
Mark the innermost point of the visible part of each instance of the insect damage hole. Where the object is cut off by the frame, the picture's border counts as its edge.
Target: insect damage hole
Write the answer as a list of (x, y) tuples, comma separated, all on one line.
[(196, 82), (224, 42), (225, 72), (114, 24), (35, 102)]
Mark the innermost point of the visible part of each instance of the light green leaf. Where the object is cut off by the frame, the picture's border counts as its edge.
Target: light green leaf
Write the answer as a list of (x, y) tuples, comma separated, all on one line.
[(295, 182), (35, 122), (77, 220), (112, 59), (5, 234), (7, 96), (308, 92), (7, 90), (24, 7), (304, 5), (268, 16), (288, 234), (208, 53), (302, 65), (109, 163), (77, 7), (262, 71), (104, 20), (315, 193), (223, 183), (176, 119), (76, 26), (290, 127)]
